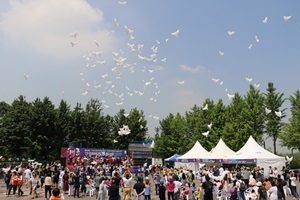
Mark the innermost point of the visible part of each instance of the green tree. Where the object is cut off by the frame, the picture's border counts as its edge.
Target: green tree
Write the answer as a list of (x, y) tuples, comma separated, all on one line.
[(290, 135), (15, 131), (254, 113), (234, 133), (274, 124), (136, 123), (42, 128), (77, 136)]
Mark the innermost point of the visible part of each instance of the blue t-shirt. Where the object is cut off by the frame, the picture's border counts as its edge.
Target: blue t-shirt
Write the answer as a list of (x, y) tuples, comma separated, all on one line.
[(147, 190)]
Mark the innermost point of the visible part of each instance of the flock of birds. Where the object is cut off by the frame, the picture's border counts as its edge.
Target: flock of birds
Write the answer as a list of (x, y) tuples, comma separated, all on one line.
[(133, 60)]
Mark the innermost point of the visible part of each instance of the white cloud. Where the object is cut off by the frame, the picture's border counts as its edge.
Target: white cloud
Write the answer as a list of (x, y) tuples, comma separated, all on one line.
[(45, 25), (191, 69)]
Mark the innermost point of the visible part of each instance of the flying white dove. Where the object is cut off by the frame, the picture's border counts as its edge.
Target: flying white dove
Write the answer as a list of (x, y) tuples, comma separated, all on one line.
[(205, 107), (205, 133), (26, 76), (126, 115), (289, 159), (221, 53), (286, 18), (209, 125), (267, 110), (221, 83), (85, 93), (256, 86), (180, 82), (73, 43), (256, 39), (265, 21), (230, 33), (116, 23), (248, 79), (74, 34), (122, 3), (250, 46), (176, 33), (230, 96), (115, 141), (278, 114), (215, 80)]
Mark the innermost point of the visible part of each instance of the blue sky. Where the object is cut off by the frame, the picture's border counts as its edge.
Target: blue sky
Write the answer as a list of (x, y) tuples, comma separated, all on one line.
[(35, 40)]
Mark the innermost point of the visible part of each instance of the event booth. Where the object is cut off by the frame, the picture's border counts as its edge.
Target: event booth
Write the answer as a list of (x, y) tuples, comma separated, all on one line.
[(250, 153)]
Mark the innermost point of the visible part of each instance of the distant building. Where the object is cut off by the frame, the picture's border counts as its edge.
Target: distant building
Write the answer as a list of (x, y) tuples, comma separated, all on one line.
[(141, 152)]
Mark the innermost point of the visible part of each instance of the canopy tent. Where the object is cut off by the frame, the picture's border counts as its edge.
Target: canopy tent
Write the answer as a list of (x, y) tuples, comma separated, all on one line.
[(172, 158), (221, 151), (197, 154), (252, 152)]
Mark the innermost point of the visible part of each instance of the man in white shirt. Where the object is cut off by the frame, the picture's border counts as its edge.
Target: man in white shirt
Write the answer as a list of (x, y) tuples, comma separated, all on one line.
[(177, 189), (127, 186), (27, 173)]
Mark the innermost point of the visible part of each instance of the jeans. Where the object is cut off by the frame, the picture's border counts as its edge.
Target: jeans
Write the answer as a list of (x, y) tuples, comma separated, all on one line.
[(241, 195), (170, 195), (294, 191)]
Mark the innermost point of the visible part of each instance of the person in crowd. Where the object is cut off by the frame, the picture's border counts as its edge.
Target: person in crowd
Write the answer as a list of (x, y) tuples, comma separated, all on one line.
[(47, 185), (280, 190), (56, 195), (157, 182), (35, 184), (127, 186), (113, 191), (294, 185), (170, 187), (162, 191), (65, 180), (98, 181), (76, 184), (139, 189), (7, 181), (102, 189), (208, 187), (13, 183), (273, 191), (240, 184), (177, 188), (147, 190), (20, 184)]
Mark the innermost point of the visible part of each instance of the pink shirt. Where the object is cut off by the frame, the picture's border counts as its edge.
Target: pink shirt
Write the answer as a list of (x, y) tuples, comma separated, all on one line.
[(170, 186)]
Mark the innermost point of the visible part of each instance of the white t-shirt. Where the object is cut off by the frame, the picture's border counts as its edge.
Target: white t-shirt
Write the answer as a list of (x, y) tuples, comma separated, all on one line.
[(177, 186), (127, 182), (27, 173)]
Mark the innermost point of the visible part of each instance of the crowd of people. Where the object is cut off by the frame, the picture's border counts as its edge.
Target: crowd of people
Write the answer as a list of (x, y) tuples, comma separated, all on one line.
[(116, 181)]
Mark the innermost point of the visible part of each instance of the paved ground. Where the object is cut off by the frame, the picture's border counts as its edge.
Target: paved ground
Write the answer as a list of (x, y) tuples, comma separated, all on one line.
[(41, 195)]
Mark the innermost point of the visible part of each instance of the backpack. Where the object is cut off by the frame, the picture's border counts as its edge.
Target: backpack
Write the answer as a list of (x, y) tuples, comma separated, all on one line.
[(233, 193), (242, 186)]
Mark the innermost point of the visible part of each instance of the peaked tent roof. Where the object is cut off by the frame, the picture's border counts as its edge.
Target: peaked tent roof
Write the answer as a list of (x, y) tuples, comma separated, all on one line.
[(172, 158), (221, 151), (197, 152), (252, 150)]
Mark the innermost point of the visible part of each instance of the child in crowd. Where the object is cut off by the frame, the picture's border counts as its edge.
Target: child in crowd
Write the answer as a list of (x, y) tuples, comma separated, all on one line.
[(162, 191), (56, 195)]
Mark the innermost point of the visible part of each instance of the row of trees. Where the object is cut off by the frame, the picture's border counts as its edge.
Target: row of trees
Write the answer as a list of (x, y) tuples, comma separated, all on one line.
[(38, 130), (244, 116)]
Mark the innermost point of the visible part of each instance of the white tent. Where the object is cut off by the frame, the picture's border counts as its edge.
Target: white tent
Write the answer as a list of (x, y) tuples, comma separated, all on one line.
[(252, 152), (192, 158), (221, 151)]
